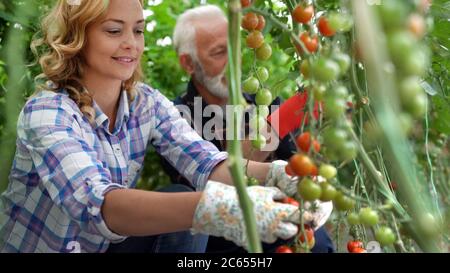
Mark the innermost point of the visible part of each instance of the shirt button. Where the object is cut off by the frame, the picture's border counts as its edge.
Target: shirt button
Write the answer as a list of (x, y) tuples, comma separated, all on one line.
[(117, 151)]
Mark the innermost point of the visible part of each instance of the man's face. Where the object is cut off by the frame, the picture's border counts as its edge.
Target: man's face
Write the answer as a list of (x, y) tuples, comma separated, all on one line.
[(212, 55)]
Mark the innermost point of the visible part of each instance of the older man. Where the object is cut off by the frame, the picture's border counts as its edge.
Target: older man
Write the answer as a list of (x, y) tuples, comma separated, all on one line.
[(200, 39)]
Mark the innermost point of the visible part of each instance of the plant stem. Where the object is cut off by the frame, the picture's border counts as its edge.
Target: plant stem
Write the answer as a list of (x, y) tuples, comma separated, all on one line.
[(234, 145)]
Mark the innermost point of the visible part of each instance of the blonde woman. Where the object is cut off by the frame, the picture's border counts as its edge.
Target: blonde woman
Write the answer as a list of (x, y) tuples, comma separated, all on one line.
[(82, 140)]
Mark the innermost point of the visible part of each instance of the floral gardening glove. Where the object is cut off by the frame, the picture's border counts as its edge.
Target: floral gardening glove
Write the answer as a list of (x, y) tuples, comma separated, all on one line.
[(316, 214), (277, 177), (218, 213)]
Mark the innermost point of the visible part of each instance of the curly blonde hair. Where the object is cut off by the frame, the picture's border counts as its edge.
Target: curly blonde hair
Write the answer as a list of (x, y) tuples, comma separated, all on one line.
[(58, 48)]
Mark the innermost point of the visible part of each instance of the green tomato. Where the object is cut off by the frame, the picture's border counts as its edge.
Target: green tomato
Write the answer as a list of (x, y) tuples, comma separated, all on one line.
[(368, 217), (334, 137), (343, 203), (418, 106), (406, 123), (328, 192), (339, 92), (259, 142), (309, 190), (413, 96), (393, 13), (343, 60), (251, 85), (348, 151), (319, 92), (353, 219), (410, 88), (327, 171), (263, 97), (287, 92), (339, 21), (264, 52), (262, 73), (385, 236), (325, 70), (334, 108), (430, 224), (305, 68), (401, 44), (252, 181), (416, 62)]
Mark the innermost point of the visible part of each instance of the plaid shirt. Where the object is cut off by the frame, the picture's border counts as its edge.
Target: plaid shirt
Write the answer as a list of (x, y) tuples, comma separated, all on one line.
[(64, 166)]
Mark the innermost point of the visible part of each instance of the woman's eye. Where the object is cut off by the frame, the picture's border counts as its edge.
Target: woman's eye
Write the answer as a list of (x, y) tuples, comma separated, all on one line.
[(139, 31), (113, 31)]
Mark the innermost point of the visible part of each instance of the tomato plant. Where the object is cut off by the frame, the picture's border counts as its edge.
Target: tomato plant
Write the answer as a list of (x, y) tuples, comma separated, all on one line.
[(365, 71)]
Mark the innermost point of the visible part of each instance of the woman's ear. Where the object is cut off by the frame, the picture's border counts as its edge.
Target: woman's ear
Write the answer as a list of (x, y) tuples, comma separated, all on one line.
[(187, 63)]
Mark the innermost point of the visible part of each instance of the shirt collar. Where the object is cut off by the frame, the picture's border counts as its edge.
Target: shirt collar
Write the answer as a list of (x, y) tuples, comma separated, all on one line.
[(123, 113)]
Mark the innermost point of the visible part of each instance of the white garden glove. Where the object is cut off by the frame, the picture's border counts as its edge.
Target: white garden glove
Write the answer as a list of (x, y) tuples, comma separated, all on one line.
[(277, 177), (218, 213)]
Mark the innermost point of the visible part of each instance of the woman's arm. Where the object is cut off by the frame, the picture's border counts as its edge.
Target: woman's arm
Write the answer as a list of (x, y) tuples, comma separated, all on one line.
[(259, 170), (141, 213)]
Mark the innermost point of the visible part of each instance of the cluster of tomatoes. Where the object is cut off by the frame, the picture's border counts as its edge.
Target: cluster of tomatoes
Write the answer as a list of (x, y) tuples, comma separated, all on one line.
[(302, 166), (370, 218), (405, 26), (304, 237), (254, 85), (323, 71)]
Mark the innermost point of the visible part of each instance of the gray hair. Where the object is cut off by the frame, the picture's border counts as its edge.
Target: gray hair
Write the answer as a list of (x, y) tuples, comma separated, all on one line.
[(185, 29)]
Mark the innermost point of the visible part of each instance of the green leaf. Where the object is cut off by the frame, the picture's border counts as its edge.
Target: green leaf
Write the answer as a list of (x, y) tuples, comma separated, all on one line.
[(441, 122)]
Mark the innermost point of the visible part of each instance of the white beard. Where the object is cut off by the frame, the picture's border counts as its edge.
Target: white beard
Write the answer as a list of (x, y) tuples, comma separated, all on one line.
[(215, 84)]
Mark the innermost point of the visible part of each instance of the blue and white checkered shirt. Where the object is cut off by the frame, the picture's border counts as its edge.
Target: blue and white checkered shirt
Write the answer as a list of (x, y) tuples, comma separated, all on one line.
[(64, 166)]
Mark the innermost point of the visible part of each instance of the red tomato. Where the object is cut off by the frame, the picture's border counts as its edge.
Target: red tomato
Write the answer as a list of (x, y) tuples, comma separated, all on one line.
[(283, 249), (351, 245), (289, 171), (246, 3), (314, 171), (325, 28), (359, 250), (316, 145), (311, 44), (301, 164), (304, 142), (309, 236), (303, 14)]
